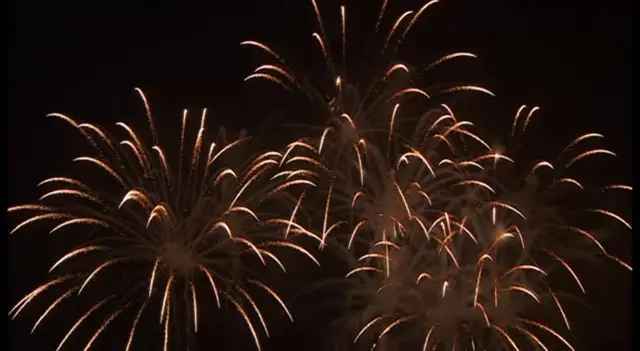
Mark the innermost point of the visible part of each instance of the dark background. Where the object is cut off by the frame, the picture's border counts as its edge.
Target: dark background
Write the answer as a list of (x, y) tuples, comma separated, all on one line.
[(572, 59)]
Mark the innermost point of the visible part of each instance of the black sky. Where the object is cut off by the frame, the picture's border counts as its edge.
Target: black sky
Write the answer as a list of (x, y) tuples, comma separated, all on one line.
[(573, 59)]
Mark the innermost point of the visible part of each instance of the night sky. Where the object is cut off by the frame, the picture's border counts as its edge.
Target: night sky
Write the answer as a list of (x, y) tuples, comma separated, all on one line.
[(84, 60)]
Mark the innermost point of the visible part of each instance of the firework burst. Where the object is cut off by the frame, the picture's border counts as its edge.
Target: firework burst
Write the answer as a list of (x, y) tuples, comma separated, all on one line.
[(388, 183), (361, 95), (479, 277), (451, 244), (365, 157), (168, 240)]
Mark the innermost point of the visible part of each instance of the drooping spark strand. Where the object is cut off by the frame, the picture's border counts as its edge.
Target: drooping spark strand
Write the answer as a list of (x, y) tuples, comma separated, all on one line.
[(165, 299), (479, 183), (293, 215), (212, 282), (569, 269), (148, 113), (37, 291), (580, 139), (263, 47), (255, 309), (39, 218), (541, 164), (326, 216), (367, 326), (395, 27), (449, 57), (79, 221), (274, 295), (353, 233), (153, 276), (82, 250), (532, 337), (587, 154), (524, 267), (380, 15), (622, 187), (360, 167), (104, 326), (95, 271), (426, 339), (224, 226), (52, 306), (590, 237), (343, 17), (166, 328), (549, 330), (102, 165), (269, 78), (251, 246), (506, 336), (564, 316), (612, 215), (394, 324), (84, 316), (468, 88), (417, 17), (363, 269), (409, 91), (194, 306), (274, 68), (524, 290), (294, 247), (246, 319), (528, 119)]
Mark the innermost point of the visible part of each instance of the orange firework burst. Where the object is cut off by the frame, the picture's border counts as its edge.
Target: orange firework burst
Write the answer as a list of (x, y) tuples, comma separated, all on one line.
[(451, 243), (478, 272), (170, 235), (388, 184), (363, 95), (448, 245)]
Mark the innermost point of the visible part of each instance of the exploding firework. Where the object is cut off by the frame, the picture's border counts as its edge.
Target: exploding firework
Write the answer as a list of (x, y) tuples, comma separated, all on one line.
[(363, 157), (452, 242), (358, 153), (553, 192), (169, 240), (479, 275), (388, 183), (363, 94), (448, 245)]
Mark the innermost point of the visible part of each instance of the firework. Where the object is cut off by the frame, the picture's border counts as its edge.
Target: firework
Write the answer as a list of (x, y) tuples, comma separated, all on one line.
[(169, 240), (479, 275), (360, 96), (451, 241), (363, 156), (387, 183), (444, 244)]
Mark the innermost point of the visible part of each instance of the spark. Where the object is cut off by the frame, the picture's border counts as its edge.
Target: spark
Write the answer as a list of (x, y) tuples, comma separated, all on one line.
[(612, 215), (84, 316)]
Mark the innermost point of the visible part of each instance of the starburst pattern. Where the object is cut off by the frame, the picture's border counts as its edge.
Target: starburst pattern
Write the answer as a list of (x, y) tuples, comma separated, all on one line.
[(475, 270), (451, 242), (163, 236), (361, 95), (448, 240)]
